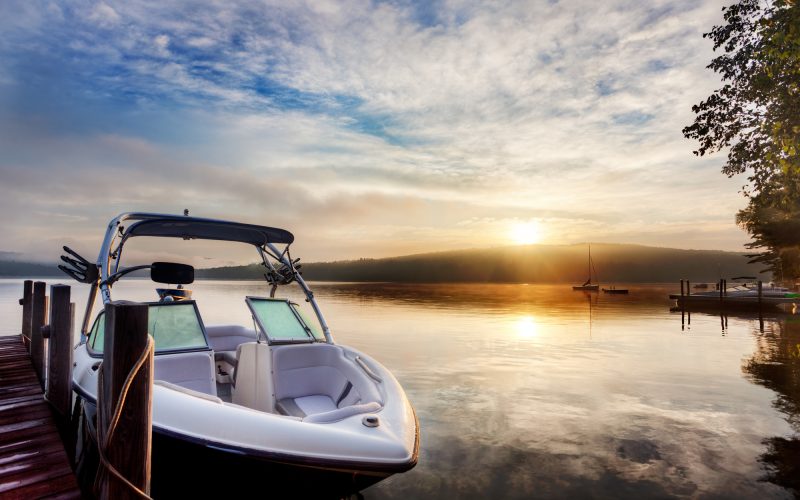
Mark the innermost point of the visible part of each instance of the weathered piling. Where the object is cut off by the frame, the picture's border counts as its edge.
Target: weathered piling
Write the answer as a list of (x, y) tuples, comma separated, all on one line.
[(59, 338), (682, 289), (760, 293), (688, 288), (26, 302), (125, 413), (38, 318)]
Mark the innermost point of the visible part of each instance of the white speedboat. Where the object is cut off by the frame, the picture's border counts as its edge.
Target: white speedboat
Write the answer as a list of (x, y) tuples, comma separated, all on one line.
[(278, 406)]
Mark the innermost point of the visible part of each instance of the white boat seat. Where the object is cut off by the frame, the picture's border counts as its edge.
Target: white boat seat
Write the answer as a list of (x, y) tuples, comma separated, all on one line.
[(307, 405), (317, 383), (226, 338), (192, 370), (321, 409), (252, 382)]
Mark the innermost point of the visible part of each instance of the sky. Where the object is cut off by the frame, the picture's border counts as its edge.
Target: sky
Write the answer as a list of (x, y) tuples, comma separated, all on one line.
[(367, 128)]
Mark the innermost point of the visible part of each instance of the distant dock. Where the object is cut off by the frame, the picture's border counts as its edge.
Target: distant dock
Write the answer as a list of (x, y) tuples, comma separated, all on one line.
[(722, 299)]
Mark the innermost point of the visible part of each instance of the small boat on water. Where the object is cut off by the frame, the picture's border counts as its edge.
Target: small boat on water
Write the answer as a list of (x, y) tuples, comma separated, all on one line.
[(616, 291), (276, 406), (743, 294), (588, 286)]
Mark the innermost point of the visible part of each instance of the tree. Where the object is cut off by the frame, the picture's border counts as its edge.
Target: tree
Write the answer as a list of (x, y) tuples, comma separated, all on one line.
[(756, 116)]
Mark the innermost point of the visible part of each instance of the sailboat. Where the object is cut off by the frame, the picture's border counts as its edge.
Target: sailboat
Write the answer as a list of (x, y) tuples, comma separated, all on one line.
[(588, 286)]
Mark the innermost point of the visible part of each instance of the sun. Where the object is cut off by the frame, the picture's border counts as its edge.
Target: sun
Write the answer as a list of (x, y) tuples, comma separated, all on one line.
[(526, 233)]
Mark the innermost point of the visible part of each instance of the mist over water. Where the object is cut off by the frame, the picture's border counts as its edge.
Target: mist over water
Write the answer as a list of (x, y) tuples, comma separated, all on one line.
[(538, 391)]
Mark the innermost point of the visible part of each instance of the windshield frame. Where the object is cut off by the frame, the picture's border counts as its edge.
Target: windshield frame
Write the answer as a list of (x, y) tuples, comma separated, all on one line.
[(99, 354)]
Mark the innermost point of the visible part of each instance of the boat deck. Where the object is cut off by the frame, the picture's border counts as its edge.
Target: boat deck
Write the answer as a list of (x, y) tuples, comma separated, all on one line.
[(33, 463)]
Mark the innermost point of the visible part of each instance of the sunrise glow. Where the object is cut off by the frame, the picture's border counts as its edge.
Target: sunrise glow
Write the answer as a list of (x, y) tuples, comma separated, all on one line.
[(526, 233)]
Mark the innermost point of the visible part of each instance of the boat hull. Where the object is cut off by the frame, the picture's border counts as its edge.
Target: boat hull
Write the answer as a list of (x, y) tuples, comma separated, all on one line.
[(182, 467), (587, 288), (198, 436)]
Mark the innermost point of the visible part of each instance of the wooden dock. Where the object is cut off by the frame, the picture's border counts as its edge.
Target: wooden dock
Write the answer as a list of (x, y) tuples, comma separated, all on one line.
[(33, 463)]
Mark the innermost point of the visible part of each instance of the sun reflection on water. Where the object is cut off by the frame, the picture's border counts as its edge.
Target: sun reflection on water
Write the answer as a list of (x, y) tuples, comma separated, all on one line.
[(526, 327)]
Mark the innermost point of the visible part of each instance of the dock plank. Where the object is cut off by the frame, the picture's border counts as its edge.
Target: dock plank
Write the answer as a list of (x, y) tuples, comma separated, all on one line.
[(33, 463)]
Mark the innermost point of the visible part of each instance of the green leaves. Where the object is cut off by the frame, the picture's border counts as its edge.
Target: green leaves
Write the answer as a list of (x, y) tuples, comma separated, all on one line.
[(756, 117)]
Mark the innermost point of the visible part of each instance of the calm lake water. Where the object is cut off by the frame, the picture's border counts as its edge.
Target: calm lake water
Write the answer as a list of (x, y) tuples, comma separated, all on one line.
[(538, 391)]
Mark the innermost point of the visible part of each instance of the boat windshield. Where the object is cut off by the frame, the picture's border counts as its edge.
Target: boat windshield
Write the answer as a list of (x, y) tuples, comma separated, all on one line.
[(282, 321), (175, 326)]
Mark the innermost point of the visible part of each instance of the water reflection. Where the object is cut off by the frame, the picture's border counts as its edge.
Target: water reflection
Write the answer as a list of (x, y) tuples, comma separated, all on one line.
[(539, 391), (526, 327), (776, 365)]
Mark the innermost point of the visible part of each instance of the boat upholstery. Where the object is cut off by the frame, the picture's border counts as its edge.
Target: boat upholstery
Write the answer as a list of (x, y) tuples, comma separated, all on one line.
[(190, 392), (225, 339), (192, 370), (252, 385), (319, 384)]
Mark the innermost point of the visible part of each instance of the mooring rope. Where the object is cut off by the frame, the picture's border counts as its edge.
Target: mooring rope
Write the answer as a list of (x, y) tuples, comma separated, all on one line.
[(103, 441)]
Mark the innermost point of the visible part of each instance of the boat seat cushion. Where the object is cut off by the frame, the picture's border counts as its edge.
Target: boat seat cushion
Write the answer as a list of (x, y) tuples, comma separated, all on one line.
[(317, 379), (192, 370), (223, 338), (307, 405)]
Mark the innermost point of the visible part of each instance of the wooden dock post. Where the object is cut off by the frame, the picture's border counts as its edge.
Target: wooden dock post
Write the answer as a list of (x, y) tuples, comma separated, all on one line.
[(721, 289), (59, 338), (26, 302), (38, 342), (688, 288), (681, 289), (760, 291), (127, 449)]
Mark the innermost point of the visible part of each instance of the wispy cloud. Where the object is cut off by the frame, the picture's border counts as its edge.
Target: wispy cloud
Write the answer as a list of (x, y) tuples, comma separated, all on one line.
[(387, 122)]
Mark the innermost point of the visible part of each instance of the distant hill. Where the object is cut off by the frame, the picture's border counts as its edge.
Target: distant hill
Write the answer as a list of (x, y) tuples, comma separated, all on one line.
[(525, 264), (14, 269), (518, 264)]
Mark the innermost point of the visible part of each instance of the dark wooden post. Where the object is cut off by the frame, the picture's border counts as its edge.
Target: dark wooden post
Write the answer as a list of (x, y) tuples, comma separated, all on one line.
[(59, 366), (760, 287), (688, 288), (128, 449), (721, 290), (681, 288), (38, 342), (26, 302)]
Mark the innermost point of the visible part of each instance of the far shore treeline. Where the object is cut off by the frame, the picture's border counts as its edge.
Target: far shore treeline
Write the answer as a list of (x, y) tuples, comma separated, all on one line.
[(520, 264)]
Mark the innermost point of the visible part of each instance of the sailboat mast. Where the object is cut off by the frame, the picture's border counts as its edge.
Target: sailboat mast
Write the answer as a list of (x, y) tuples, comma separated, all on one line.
[(590, 262), (591, 265)]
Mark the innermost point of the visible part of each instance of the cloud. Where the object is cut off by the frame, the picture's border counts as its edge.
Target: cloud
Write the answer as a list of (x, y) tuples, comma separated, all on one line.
[(389, 122)]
